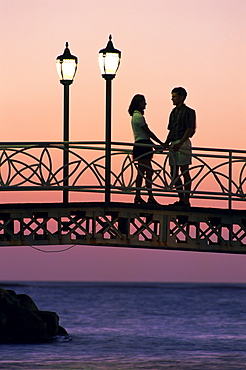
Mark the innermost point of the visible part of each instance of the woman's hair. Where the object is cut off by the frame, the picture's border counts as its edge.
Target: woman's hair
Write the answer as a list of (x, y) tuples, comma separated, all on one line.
[(135, 104)]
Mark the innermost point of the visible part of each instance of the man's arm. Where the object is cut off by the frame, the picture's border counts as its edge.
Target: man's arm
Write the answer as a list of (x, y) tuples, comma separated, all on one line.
[(187, 134)]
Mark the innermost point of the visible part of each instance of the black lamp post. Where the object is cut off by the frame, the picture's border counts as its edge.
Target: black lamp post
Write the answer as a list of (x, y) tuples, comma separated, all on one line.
[(109, 61), (66, 65)]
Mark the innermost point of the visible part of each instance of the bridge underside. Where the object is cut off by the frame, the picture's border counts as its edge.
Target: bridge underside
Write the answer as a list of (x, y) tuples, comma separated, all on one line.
[(124, 225)]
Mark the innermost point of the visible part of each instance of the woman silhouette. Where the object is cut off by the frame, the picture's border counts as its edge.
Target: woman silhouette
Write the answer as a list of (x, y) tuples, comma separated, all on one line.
[(143, 154)]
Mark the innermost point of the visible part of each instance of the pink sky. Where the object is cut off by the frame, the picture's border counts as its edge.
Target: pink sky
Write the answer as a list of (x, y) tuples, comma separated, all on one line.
[(198, 44)]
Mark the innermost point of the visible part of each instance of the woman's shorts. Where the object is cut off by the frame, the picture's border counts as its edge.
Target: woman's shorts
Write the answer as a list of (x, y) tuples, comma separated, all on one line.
[(144, 152), (181, 157)]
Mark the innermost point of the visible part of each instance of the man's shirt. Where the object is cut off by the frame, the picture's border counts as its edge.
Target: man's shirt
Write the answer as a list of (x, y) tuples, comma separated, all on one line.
[(179, 120)]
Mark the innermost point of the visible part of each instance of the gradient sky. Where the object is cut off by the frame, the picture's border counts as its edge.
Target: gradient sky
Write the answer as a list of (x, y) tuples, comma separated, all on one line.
[(198, 44)]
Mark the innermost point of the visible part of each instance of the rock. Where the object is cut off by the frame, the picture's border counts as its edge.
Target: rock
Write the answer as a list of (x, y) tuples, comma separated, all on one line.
[(62, 332), (52, 321), (27, 302), (22, 322), (23, 325)]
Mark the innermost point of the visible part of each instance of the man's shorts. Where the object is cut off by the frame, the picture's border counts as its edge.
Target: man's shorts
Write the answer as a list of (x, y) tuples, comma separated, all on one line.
[(183, 156)]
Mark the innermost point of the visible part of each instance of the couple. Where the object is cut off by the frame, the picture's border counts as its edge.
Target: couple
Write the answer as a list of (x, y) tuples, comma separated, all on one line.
[(182, 125)]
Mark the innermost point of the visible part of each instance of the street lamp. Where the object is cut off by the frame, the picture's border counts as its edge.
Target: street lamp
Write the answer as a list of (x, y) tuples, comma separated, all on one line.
[(109, 61), (66, 65)]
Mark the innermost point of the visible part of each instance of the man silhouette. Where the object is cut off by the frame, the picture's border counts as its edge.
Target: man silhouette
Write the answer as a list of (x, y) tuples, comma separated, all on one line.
[(182, 126)]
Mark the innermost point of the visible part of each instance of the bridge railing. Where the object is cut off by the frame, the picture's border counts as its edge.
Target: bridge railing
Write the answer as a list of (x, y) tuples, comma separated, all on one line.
[(217, 174)]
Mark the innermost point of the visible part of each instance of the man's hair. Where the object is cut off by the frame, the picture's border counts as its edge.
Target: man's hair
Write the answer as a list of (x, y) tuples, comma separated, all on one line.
[(180, 91), (135, 104)]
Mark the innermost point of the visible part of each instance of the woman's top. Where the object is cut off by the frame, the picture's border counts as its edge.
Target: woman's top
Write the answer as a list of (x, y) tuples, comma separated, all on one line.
[(138, 121)]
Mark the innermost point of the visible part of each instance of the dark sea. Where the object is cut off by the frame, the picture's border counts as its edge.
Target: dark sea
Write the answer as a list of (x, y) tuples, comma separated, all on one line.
[(136, 326)]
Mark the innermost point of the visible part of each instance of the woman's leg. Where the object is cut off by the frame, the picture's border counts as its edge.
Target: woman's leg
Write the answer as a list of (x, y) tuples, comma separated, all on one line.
[(144, 166), (149, 174), (139, 178)]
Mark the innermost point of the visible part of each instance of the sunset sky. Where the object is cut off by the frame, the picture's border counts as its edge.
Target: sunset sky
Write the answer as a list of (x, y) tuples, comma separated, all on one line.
[(198, 44)]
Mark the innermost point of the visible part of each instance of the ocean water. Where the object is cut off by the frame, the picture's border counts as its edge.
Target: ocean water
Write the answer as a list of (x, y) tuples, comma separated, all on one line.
[(136, 326)]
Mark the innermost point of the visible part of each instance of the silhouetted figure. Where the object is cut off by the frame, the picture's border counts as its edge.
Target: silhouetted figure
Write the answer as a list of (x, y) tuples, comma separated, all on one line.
[(182, 126), (142, 135)]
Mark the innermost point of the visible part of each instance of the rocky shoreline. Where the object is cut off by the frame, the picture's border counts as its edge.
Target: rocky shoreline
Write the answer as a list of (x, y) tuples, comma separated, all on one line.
[(22, 322)]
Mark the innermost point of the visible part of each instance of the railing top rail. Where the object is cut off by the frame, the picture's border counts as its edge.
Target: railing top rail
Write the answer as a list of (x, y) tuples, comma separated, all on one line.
[(130, 144)]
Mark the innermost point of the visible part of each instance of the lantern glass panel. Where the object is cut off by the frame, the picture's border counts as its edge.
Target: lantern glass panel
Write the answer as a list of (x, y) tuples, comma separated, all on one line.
[(66, 69), (108, 63)]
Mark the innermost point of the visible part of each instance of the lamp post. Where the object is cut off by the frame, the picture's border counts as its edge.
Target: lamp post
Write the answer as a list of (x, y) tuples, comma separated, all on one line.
[(109, 61), (66, 65)]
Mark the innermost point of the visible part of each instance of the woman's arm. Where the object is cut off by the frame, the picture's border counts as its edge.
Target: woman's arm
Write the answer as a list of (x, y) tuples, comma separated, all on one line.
[(151, 134)]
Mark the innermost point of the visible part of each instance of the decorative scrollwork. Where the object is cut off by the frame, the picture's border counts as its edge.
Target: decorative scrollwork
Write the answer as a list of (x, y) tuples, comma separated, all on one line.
[(214, 173)]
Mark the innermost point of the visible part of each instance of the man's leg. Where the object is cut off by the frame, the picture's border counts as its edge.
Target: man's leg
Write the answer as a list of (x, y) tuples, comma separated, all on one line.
[(187, 183), (177, 182)]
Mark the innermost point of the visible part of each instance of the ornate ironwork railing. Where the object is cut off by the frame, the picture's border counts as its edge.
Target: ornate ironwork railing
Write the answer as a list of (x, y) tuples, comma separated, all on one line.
[(217, 174)]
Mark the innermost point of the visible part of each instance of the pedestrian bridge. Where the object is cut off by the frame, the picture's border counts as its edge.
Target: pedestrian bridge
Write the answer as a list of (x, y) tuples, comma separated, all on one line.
[(33, 211)]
